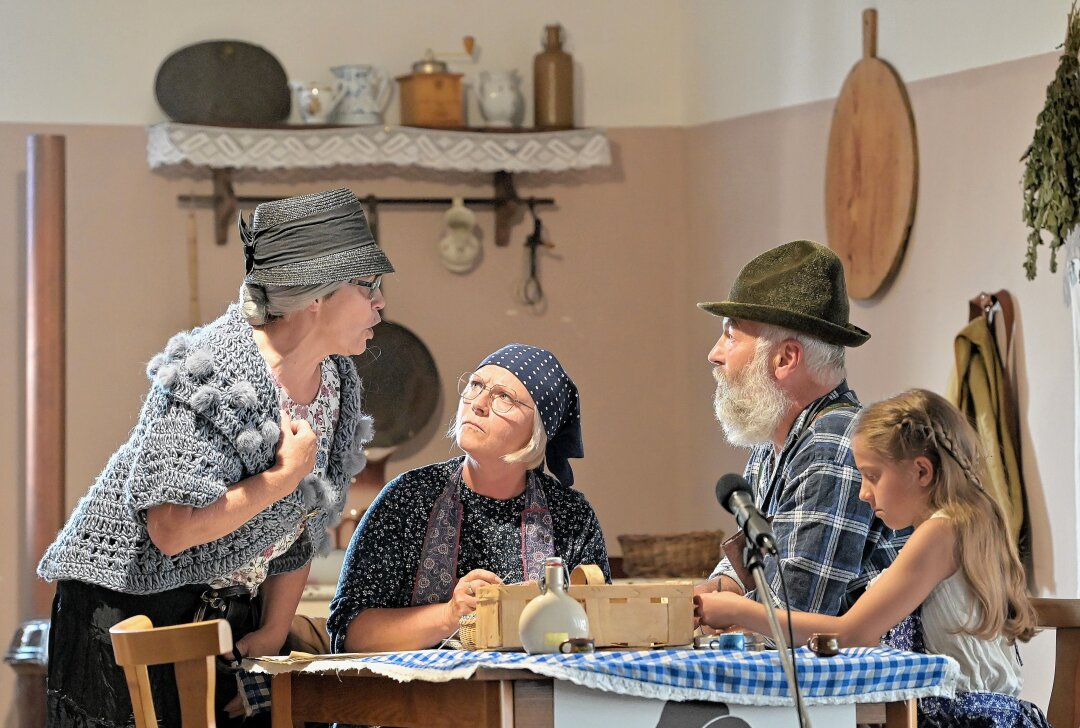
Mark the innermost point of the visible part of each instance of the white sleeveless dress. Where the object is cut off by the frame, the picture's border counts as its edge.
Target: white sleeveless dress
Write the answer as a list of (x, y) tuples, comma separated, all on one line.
[(985, 665)]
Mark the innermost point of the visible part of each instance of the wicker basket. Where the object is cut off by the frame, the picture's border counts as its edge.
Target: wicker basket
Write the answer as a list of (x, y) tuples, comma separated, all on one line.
[(467, 631), (692, 554)]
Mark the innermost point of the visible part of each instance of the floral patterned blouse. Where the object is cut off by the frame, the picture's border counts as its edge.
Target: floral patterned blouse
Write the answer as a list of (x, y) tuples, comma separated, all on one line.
[(322, 415), (386, 550)]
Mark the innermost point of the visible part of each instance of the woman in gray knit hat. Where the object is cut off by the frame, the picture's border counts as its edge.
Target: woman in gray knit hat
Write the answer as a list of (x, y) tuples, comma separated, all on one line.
[(238, 464)]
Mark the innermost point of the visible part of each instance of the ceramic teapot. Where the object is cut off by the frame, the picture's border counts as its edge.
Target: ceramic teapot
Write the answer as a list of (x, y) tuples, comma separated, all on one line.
[(366, 91), (501, 102), (317, 101)]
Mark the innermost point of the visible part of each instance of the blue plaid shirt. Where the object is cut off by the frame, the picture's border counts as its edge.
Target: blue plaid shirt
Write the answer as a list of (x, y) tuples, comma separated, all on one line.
[(829, 541)]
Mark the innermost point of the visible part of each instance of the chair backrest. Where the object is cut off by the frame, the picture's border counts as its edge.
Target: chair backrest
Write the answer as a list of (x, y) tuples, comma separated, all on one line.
[(190, 647), (1063, 615)]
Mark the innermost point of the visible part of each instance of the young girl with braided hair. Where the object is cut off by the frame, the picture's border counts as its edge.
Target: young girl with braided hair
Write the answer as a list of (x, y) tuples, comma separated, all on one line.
[(957, 588)]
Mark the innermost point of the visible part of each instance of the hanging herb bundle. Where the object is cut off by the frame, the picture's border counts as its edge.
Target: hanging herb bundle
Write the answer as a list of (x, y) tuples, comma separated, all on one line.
[(1052, 174)]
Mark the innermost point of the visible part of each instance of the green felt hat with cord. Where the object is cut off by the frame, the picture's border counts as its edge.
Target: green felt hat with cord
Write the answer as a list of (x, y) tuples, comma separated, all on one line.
[(799, 286)]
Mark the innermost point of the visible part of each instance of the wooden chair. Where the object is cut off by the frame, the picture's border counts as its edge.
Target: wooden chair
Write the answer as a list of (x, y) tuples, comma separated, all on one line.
[(191, 647), (1063, 615)]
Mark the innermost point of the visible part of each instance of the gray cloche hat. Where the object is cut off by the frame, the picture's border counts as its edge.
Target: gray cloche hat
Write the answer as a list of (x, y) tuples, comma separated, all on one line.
[(800, 286), (310, 240)]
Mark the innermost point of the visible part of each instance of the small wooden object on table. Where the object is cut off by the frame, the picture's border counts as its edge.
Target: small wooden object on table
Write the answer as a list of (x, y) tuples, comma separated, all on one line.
[(625, 615)]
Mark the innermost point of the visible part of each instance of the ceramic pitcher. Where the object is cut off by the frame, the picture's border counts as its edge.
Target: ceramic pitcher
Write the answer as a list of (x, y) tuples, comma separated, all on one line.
[(366, 91), (316, 101), (553, 617), (501, 102)]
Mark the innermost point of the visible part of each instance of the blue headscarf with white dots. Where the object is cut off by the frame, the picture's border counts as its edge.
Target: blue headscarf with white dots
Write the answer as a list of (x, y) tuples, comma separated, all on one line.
[(556, 398)]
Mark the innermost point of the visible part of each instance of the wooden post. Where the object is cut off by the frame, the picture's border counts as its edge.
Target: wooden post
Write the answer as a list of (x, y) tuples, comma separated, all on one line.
[(45, 373), (902, 714)]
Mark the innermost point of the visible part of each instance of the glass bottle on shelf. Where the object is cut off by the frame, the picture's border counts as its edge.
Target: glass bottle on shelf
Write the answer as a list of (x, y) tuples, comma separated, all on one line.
[(553, 83)]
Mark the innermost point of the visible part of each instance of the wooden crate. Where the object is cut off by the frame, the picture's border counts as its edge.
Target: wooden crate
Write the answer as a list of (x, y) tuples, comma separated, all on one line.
[(620, 615)]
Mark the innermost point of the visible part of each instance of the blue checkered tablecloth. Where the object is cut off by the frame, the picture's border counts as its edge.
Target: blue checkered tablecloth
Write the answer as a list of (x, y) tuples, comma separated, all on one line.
[(862, 674)]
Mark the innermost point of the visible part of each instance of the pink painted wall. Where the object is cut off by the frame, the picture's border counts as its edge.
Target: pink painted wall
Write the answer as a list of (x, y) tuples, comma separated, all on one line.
[(619, 261), (669, 224), (759, 180)]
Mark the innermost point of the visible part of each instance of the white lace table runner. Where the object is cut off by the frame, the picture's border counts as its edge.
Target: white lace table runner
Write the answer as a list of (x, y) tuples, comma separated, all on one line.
[(299, 148)]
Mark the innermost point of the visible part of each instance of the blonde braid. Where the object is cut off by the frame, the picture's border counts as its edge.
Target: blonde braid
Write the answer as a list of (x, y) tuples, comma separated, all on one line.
[(924, 435), (921, 423), (916, 435), (946, 442)]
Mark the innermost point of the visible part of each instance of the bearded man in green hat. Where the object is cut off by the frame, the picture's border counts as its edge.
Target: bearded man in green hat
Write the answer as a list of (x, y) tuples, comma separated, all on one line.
[(781, 391)]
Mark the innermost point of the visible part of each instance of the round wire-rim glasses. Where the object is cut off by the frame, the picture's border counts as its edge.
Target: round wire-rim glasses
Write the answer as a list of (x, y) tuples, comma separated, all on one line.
[(502, 399)]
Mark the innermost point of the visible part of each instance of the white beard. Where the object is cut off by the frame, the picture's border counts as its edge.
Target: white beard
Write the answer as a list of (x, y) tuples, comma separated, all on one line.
[(751, 406)]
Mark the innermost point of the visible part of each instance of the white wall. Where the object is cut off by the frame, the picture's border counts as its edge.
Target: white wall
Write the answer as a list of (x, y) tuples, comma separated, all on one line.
[(640, 63), (70, 61), (746, 57)]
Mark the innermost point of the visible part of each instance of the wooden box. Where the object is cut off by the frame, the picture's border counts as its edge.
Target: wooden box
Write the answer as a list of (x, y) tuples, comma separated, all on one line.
[(620, 615), (432, 100)]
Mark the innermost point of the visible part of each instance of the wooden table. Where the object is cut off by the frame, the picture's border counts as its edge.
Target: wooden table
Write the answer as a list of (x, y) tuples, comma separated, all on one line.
[(491, 698)]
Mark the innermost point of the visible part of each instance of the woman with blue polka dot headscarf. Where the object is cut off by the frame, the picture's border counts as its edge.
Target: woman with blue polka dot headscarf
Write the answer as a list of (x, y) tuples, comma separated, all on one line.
[(436, 534)]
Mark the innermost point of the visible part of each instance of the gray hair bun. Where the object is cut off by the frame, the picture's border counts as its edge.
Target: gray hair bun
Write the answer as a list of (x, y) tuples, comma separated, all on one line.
[(254, 304)]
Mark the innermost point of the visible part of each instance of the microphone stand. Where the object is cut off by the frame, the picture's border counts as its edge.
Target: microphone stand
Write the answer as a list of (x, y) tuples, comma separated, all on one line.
[(756, 565)]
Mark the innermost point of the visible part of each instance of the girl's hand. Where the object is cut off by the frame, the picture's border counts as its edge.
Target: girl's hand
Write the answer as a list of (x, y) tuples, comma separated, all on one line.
[(297, 449), (463, 601), (716, 609)]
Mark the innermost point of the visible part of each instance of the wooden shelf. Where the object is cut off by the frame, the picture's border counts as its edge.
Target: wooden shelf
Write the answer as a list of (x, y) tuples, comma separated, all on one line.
[(223, 149), (307, 147)]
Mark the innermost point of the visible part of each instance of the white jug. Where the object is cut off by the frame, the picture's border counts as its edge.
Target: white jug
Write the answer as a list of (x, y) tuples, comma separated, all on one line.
[(367, 89), (316, 101), (501, 102), (553, 617)]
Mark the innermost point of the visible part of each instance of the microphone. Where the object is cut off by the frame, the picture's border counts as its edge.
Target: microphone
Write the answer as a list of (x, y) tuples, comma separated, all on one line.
[(733, 493)]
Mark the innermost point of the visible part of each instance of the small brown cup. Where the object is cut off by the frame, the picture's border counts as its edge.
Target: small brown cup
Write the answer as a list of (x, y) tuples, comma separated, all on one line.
[(824, 644), (577, 645)]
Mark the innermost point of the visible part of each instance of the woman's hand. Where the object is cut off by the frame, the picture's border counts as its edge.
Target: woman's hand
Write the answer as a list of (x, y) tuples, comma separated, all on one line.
[(174, 527), (463, 600), (234, 708), (260, 643), (717, 609), (297, 449)]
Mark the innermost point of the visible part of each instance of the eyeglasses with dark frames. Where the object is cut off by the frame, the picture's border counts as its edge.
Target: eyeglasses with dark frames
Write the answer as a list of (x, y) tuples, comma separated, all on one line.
[(371, 286), (502, 399)]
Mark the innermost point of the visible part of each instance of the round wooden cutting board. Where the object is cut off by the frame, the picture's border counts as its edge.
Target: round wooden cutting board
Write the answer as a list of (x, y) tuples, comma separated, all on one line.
[(872, 170)]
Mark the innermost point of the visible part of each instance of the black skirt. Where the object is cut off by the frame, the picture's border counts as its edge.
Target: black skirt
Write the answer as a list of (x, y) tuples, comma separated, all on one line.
[(86, 688)]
